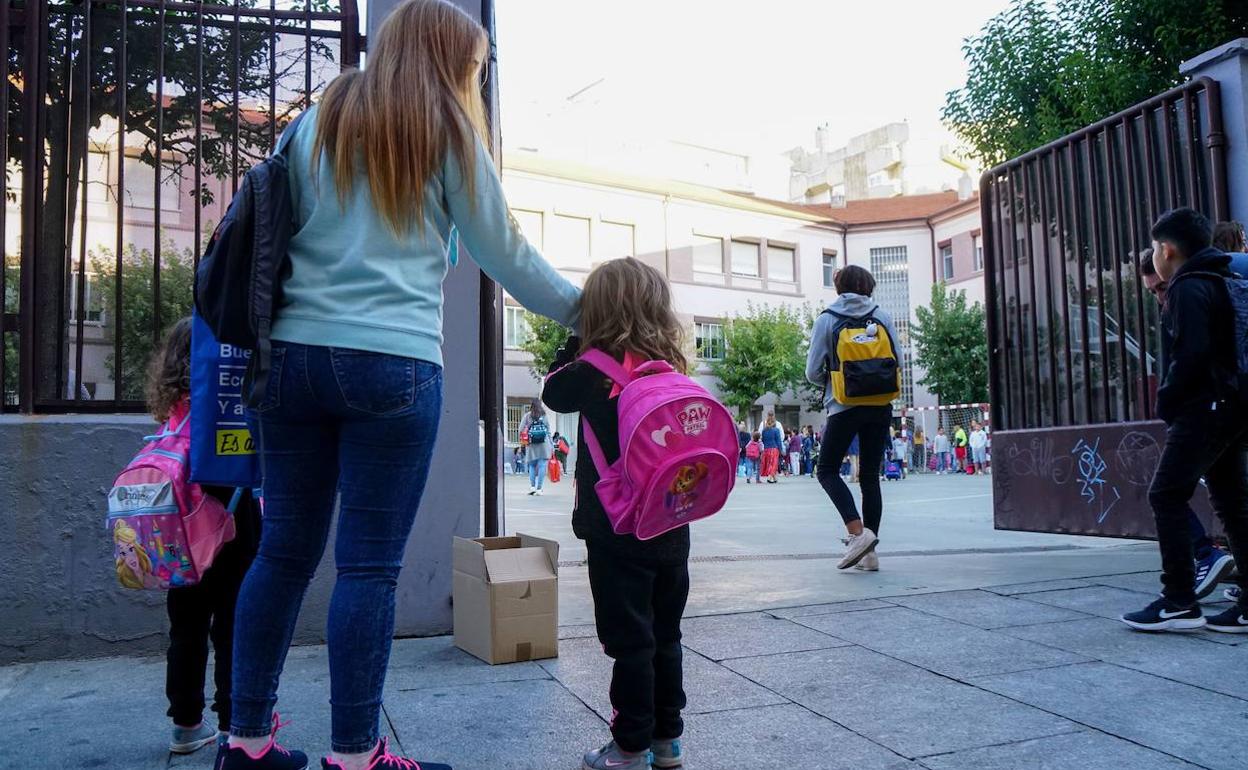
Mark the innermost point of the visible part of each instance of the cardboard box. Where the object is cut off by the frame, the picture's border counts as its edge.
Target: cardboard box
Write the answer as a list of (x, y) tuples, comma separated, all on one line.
[(506, 598)]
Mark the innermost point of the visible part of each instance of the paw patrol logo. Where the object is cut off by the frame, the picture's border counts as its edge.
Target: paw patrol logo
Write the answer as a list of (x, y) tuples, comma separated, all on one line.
[(694, 418)]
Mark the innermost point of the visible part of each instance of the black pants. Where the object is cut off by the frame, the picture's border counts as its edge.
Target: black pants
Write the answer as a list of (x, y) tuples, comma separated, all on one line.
[(637, 607), (870, 425), (206, 611), (1214, 444)]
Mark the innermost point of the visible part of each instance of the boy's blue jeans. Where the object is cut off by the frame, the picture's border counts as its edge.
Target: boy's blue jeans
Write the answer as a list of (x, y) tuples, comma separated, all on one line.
[(359, 427), (537, 473)]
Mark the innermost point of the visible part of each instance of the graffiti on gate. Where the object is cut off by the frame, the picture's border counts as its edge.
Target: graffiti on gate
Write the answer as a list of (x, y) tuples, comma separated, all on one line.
[(1095, 489)]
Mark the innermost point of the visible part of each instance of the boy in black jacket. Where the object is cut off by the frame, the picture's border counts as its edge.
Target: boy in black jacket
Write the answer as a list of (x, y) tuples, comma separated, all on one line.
[(1206, 421)]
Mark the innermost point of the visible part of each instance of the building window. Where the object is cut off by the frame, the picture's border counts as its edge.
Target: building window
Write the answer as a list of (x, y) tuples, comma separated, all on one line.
[(515, 327), (708, 255), (613, 240), (513, 418), (781, 261), (530, 224), (93, 299), (709, 340), (567, 240), (829, 269), (979, 254), (745, 259), (946, 260), (891, 268), (141, 182)]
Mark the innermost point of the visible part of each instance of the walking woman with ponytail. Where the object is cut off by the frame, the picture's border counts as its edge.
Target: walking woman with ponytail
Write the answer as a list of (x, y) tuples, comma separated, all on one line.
[(382, 170)]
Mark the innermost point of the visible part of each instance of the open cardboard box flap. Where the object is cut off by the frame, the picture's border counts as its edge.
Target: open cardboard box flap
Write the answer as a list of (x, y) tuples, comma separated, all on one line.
[(506, 597)]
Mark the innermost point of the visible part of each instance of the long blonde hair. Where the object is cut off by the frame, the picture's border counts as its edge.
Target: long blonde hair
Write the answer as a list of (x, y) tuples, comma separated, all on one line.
[(123, 533), (626, 306), (418, 98)]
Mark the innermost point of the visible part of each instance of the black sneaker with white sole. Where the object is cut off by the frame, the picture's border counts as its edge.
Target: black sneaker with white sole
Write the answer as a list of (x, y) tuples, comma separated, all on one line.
[(1164, 615), (1233, 621)]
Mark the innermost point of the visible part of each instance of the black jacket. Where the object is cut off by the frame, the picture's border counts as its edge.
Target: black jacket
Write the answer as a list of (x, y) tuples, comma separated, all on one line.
[(574, 386), (1200, 323)]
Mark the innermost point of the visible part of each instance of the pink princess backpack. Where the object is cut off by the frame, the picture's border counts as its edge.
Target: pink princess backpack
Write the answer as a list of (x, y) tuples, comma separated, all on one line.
[(678, 450), (166, 530)]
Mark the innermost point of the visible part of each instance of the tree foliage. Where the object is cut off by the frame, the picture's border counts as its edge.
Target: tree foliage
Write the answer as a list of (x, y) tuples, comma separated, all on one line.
[(764, 352), (1042, 69), (140, 329), (951, 344), (544, 339)]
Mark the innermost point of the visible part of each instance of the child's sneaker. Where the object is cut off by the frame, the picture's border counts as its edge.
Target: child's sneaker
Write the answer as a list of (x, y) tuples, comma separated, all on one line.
[(382, 759), (666, 754), (1233, 621), (612, 757), (187, 740), (1163, 615), (272, 757)]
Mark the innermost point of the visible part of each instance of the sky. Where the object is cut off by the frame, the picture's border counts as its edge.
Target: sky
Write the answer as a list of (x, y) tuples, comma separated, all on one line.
[(755, 77)]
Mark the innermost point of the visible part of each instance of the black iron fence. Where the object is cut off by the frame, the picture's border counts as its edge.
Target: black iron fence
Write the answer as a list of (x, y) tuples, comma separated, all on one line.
[(1073, 333), (126, 127)]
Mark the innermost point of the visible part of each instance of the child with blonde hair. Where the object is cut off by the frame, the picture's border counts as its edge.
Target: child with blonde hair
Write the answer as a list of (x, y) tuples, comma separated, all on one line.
[(639, 587), (204, 611)]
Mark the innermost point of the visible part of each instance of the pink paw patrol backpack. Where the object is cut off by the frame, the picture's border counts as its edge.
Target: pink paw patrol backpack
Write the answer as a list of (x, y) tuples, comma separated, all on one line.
[(166, 530), (678, 450)]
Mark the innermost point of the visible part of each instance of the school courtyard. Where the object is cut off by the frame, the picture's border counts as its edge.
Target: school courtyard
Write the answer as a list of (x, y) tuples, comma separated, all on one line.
[(971, 648)]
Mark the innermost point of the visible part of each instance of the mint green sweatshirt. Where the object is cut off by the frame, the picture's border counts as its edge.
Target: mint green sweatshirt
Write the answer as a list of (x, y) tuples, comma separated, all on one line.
[(354, 284)]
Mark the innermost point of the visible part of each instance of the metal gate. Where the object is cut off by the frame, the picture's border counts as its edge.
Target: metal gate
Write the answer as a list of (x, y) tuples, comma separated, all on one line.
[(1074, 343), (127, 125)]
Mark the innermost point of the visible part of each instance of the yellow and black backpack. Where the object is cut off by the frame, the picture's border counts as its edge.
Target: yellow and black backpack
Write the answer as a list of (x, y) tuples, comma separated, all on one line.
[(863, 364)]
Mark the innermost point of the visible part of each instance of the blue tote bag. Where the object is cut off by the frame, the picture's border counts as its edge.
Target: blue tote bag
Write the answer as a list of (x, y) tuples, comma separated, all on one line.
[(223, 452)]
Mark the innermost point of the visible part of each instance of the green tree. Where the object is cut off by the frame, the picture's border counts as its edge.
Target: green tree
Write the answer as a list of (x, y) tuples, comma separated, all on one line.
[(543, 341), (139, 332), (1041, 69), (764, 352), (951, 344)]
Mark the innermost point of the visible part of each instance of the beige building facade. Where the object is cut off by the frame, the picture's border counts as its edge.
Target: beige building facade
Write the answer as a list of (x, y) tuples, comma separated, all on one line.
[(723, 251)]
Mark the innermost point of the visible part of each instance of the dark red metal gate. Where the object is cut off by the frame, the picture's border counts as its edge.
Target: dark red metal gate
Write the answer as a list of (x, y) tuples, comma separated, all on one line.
[(1074, 344)]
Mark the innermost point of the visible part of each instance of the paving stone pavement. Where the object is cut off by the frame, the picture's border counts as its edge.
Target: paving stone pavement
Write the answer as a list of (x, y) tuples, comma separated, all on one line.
[(1032, 675)]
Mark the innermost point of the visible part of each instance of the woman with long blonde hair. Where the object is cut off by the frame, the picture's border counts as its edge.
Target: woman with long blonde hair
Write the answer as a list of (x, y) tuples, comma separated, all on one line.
[(383, 170), (639, 587)]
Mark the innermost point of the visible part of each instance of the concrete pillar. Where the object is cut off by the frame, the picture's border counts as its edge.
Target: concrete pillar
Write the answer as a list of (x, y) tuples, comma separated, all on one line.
[(1228, 65), (452, 502)]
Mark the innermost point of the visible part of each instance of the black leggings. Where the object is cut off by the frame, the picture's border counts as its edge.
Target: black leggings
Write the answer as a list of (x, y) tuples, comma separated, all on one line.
[(638, 606), (206, 611), (870, 425)]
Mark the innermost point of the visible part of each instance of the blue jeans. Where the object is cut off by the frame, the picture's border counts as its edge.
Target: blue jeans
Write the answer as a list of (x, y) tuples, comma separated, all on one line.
[(752, 465), (537, 473), (359, 426)]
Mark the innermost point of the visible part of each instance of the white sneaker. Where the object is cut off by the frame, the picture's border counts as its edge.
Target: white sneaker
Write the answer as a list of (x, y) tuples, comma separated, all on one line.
[(869, 563), (532, 490), (538, 493), (856, 547)]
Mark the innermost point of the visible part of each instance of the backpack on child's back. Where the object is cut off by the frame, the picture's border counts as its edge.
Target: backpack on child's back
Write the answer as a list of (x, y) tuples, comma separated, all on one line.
[(166, 530), (678, 450), (753, 450)]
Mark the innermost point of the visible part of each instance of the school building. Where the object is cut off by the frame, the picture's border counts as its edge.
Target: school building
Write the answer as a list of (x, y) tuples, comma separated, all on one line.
[(725, 250)]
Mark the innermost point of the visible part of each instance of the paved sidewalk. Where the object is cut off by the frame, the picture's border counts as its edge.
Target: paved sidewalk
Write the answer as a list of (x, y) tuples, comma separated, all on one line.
[(1034, 675)]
